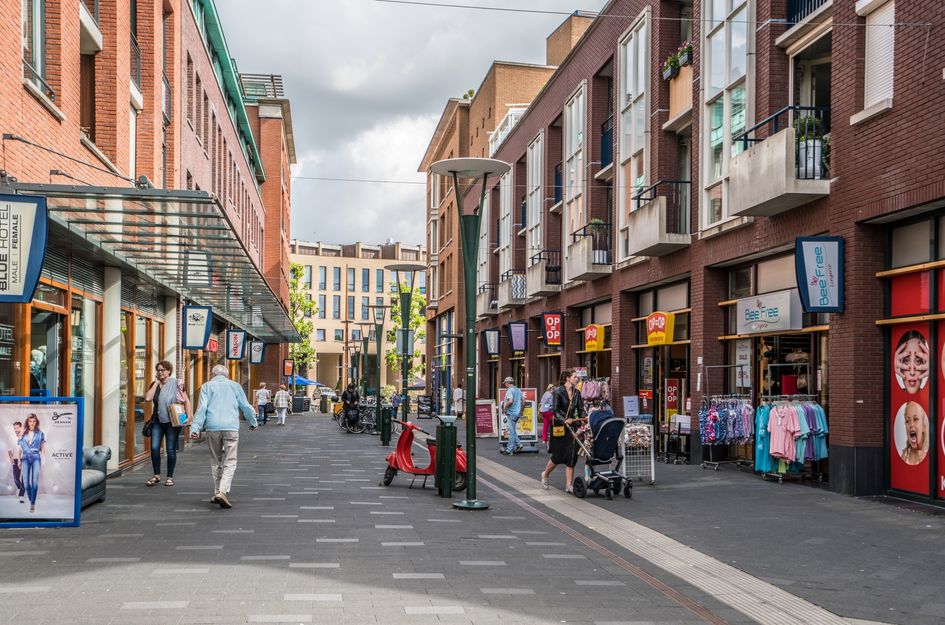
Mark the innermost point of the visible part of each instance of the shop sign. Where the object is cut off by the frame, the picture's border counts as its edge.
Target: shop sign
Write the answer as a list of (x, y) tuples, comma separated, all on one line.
[(593, 337), (527, 424), (818, 263), (671, 399), (631, 406), (551, 322), (490, 340), (771, 312), (57, 426), (485, 418), (288, 367), (581, 373), (659, 328), (213, 343), (743, 362), (235, 344), (645, 394), (22, 246), (405, 341), (518, 336), (6, 342), (257, 351), (197, 323)]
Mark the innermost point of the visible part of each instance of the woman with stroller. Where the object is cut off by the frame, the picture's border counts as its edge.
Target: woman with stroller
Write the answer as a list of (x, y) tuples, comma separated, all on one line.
[(568, 415)]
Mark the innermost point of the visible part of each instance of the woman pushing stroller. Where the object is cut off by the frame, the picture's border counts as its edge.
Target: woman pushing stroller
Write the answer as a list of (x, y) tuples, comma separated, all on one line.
[(568, 413)]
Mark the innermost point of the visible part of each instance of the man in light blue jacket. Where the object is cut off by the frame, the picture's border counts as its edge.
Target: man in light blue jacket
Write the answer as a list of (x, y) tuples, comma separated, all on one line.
[(218, 414)]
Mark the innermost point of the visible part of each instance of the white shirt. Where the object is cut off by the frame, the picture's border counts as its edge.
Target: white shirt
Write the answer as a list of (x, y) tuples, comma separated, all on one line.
[(459, 399)]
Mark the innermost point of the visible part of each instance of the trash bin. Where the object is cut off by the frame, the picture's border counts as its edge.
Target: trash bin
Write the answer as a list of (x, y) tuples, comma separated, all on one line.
[(298, 403), (323, 404), (385, 425), (445, 456)]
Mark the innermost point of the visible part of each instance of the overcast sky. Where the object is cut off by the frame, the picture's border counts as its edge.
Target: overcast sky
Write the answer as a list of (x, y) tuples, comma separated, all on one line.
[(367, 82)]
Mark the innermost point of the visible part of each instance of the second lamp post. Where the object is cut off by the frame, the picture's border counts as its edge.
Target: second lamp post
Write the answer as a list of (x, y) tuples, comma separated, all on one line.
[(404, 276)]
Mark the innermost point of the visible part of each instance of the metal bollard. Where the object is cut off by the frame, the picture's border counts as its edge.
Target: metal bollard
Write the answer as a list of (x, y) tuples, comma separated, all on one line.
[(445, 456), (385, 426)]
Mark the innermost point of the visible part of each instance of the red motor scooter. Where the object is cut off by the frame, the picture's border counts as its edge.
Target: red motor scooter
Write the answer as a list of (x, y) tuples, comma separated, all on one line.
[(401, 459)]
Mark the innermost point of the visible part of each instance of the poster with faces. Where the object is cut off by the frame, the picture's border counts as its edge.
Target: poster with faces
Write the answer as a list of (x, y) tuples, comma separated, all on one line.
[(912, 356)]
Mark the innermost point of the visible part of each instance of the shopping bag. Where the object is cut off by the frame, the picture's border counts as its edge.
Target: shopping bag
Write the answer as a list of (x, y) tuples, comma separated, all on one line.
[(178, 415)]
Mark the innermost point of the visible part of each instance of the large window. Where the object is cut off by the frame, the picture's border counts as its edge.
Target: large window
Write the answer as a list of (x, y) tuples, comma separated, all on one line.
[(880, 48), (632, 100), (321, 278), (351, 307), (336, 278), (482, 260), (535, 200), (321, 306), (34, 44), (365, 307), (726, 96), (366, 280), (505, 223), (336, 307), (379, 278), (307, 276), (574, 163), (350, 278), (319, 335)]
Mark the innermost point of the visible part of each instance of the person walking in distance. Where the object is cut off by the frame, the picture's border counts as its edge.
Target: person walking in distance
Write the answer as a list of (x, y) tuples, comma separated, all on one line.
[(350, 399), (547, 412), (164, 391), (281, 402), (512, 407), (262, 398), (459, 401), (221, 402), (15, 461)]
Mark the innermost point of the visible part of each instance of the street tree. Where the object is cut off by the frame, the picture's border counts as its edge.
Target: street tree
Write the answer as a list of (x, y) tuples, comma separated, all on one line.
[(417, 323), (302, 310)]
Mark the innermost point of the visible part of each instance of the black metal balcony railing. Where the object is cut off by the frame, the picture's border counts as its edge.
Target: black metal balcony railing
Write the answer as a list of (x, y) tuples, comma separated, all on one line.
[(676, 193), (601, 240), (30, 74), (490, 288), (92, 6), (811, 124), (558, 182), (607, 142), (167, 101), (135, 62), (797, 10), (552, 259), (517, 279), (523, 220)]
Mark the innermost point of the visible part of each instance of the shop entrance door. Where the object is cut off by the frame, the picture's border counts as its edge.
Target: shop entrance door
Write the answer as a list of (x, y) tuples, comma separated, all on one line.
[(670, 394), (47, 353)]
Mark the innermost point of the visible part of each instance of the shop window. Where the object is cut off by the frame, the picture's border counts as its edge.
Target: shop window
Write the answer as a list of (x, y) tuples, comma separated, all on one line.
[(645, 303), (675, 297), (82, 371), (50, 295), (7, 350), (911, 244), (740, 282), (776, 274), (910, 294)]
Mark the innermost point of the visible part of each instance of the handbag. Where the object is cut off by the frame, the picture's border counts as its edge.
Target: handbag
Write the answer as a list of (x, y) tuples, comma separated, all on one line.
[(558, 430), (269, 409), (147, 427)]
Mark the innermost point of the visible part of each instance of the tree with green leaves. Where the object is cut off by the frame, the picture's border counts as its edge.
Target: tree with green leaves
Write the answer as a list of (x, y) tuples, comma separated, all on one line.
[(417, 323), (302, 311)]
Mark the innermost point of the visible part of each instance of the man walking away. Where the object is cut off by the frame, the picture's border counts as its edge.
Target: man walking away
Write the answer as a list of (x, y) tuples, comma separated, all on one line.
[(221, 401), (459, 401), (512, 407)]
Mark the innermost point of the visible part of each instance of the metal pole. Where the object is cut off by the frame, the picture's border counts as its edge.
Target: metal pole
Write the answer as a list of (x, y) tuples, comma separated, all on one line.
[(404, 323), (378, 330), (469, 233)]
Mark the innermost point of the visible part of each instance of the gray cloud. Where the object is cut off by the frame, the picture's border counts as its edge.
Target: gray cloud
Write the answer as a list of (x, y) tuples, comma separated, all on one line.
[(367, 82)]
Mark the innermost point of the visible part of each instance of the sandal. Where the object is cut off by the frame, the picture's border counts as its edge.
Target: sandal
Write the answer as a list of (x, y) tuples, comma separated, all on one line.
[(154, 480), (169, 481)]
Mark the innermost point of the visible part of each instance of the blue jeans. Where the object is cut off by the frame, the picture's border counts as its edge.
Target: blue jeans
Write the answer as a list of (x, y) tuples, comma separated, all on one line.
[(172, 436), (261, 413), (513, 434), (18, 478), (31, 466)]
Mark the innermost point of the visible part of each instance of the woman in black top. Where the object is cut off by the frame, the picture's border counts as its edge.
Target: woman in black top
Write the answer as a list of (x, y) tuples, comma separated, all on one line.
[(568, 413)]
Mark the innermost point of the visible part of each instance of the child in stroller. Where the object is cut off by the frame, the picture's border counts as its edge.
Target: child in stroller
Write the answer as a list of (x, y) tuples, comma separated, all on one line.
[(601, 460)]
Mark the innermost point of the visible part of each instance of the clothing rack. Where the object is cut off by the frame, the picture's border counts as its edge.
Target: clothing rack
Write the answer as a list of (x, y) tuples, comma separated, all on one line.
[(791, 397), (712, 463)]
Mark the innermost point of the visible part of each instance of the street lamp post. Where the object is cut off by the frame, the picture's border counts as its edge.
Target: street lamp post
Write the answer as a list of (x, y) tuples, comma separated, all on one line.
[(470, 168), (380, 312), (365, 329), (409, 272)]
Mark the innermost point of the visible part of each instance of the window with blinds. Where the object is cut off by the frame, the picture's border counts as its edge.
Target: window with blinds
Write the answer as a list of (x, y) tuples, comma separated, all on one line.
[(880, 44)]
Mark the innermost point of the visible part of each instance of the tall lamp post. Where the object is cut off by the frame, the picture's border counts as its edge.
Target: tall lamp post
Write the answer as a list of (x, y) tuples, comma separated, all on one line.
[(404, 276), (470, 168), (365, 329), (379, 311)]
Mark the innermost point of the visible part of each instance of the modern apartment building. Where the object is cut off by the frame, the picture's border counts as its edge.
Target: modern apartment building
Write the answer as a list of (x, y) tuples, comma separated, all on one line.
[(346, 281), (670, 168), (129, 121), (472, 127)]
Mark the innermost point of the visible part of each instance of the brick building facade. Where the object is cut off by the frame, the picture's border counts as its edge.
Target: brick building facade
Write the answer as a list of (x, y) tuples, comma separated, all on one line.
[(686, 194)]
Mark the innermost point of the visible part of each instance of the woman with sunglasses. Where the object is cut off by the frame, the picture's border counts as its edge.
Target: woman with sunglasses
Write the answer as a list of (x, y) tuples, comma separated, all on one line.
[(164, 391)]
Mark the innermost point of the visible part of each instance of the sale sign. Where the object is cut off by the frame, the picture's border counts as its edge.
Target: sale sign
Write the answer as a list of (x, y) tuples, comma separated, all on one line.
[(593, 337), (671, 398), (551, 322), (659, 328)]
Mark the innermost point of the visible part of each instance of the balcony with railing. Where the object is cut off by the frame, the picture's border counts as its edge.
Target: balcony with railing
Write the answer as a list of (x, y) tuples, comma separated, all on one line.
[(511, 289), (543, 276), (559, 184), (167, 100), (590, 253), (486, 302), (659, 222), (680, 100), (797, 10), (606, 149), (784, 162), (90, 34), (135, 63)]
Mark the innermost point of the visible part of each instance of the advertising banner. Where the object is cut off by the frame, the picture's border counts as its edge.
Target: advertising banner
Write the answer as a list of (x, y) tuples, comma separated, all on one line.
[(551, 323), (213, 343), (485, 418), (518, 336), (909, 428), (771, 312), (490, 342), (818, 264), (593, 337), (40, 452), (235, 344), (257, 351), (22, 246), (288, 367), (743, 360), (405, 348), (660, 327), (940, 476), (527, 424), (197, 323)]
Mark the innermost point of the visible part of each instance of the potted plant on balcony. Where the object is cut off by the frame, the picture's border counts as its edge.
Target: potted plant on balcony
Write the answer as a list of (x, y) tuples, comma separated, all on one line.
[(809, 136), (671, 66), (684, 53), (598, 232)]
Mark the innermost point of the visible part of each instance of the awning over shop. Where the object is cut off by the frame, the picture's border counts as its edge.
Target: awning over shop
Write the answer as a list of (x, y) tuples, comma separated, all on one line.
[(300, 381), (182, 240)]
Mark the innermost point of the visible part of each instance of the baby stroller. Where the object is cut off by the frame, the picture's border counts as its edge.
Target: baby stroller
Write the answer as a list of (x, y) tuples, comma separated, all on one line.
[(601, 459)]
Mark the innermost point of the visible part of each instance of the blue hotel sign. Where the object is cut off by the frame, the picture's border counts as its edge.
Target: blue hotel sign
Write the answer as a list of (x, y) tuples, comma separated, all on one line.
[(818, 263), (22, 246)]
